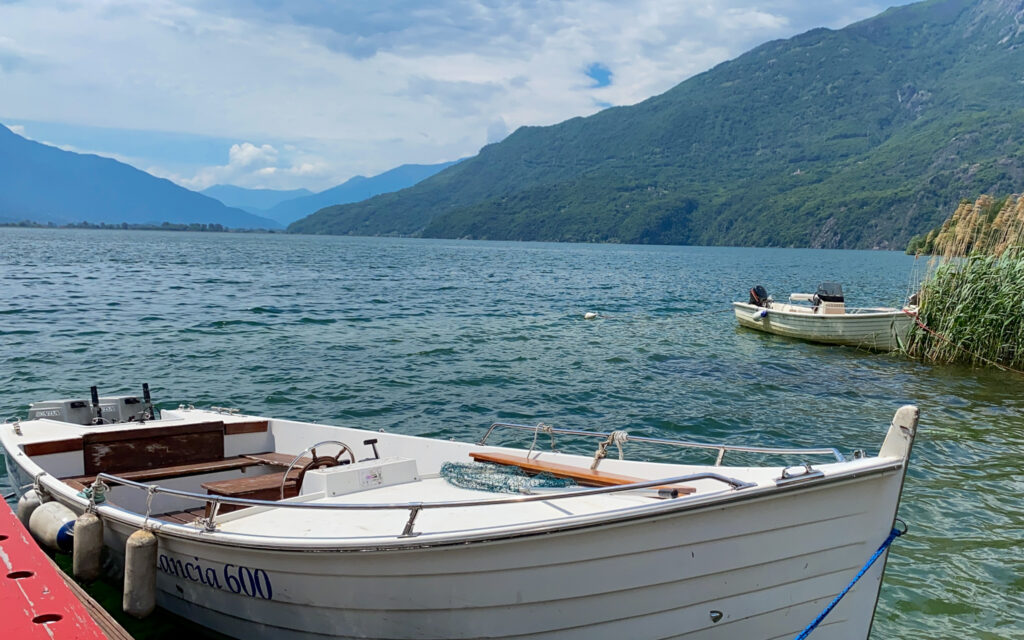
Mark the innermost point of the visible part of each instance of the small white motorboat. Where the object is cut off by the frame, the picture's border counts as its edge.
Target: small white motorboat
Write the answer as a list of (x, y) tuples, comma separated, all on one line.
[(824, 317), (278, 529)]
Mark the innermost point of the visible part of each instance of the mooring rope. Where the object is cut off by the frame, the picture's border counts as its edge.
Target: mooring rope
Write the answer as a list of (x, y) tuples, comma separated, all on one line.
[(917, 319), (895, 533)]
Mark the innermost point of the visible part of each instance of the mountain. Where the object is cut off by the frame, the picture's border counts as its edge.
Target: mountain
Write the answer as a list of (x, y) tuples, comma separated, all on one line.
[(354, 190), (252, 200), (851, 138), (45, 184)]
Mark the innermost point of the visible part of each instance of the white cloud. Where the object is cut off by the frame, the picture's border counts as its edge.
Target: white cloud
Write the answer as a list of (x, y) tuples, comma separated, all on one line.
[(18, 129), (251, 165), (363, 87), (247, 155)]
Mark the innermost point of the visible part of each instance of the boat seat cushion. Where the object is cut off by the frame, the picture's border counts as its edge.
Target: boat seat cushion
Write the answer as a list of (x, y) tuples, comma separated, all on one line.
[(585, 477)]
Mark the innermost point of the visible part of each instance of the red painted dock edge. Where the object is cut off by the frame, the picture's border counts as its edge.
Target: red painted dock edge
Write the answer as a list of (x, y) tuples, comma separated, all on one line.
[(35, 602)]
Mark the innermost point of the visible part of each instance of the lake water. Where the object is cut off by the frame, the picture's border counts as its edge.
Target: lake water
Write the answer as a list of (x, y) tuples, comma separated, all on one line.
[(442, 338)]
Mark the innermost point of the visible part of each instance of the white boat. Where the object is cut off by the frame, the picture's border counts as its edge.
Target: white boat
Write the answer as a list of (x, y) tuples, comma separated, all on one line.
[(385, 547), (824, 317)]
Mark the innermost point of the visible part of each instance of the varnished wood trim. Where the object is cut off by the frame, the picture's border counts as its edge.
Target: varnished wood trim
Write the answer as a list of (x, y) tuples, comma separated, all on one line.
[(53, 446), (583, 476), (104, 437), (256, 426), (179, 471)]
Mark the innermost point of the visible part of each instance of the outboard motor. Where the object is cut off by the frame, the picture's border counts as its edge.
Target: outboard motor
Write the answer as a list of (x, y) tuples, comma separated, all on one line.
[(759, 296)]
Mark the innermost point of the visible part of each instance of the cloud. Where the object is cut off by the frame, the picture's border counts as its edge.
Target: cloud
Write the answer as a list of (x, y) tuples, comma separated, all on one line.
[(251, 165), (337, 88), (14, 57), (18, 129), (248, 155), (497, 131)]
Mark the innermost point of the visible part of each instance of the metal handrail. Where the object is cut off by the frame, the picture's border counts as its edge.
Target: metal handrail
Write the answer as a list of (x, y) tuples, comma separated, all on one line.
[(720, 448), (414, 507)]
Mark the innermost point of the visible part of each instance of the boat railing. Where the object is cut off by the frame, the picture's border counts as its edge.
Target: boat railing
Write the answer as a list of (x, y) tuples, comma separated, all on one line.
[(214, 501), (615, 437)]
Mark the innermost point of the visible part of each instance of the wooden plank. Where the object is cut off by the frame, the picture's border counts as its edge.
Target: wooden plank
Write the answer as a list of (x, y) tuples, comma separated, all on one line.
[(581, 475), (180, 517), (74, 484), (277, 459), (52, 446), (177, 471), (138, 449), (151, 432), (265, 487), (255, 426), (236, 487)]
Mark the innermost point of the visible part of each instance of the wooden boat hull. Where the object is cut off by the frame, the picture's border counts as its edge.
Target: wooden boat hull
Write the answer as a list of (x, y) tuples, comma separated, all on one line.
[(879, 331)]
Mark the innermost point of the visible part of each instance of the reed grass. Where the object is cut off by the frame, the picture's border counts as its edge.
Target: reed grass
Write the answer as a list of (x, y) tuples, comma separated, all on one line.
[(974, 296)]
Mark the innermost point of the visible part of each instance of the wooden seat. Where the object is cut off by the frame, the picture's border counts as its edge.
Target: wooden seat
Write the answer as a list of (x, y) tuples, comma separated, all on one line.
[(143, 448), (179, 470), (276, 459), (586, 477), (184, 517), (261, 487)]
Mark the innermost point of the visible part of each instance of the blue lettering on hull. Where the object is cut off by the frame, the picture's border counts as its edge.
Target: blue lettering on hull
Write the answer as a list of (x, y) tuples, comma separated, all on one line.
[(254, 583)]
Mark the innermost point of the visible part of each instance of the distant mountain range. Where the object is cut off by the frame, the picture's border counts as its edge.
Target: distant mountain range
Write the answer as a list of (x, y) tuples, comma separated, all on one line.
[(856, 138), (286, 210), (255, 201), (41, 183)]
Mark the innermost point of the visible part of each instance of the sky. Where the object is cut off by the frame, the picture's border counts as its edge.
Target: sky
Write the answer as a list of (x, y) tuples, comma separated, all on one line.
[(283, 94)]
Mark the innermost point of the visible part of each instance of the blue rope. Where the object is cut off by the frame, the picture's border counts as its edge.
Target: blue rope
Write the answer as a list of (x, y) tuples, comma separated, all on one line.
[(895, 533)]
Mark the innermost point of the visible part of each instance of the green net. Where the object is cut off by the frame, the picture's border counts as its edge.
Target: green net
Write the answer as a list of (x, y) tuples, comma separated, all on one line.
[(498, 479)]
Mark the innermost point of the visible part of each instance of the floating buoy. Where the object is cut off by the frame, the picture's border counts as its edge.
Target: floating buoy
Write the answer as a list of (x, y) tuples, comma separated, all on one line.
[(140, 574), (29, 501), (53, 525), (88, 545), (590, 315)]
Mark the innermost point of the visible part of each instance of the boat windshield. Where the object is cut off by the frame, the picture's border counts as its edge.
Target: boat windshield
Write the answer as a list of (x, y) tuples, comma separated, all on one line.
[(830, 292)]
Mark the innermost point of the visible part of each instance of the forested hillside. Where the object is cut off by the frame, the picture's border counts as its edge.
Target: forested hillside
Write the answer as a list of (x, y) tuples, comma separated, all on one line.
[(856, 138)]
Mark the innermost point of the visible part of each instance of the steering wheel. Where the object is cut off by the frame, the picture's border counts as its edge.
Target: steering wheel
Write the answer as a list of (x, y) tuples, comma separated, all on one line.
[(318, 462)]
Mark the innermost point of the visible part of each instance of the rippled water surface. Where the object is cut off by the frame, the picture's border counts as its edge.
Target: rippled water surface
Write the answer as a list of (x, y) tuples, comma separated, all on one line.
[(444, 337)]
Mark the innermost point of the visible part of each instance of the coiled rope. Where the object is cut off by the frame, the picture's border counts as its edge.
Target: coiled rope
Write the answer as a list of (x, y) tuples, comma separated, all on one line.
[(917, 320), (895, 533)]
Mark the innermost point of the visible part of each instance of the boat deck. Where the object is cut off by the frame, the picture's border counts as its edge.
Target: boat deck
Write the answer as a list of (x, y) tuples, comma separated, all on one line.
[(206, 490), (315, 523)]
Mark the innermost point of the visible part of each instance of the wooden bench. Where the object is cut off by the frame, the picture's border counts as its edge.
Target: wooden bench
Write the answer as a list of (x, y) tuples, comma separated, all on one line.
[(152, 447), (178, 471), (585, 477), (156, 453), (262, 487)]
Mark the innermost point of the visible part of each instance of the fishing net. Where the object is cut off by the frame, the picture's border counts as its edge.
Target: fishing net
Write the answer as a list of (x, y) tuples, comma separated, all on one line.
[(499, 479)]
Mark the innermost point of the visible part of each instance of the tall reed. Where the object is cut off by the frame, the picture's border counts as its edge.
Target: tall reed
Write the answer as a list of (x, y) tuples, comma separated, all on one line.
[(974, 298)]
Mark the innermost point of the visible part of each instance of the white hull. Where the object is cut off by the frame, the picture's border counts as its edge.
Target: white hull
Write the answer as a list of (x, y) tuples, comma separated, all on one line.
[(768, 558), (878, 331)]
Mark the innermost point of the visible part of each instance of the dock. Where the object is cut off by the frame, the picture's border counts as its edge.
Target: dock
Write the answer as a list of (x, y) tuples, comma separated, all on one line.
[(38, 600)]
